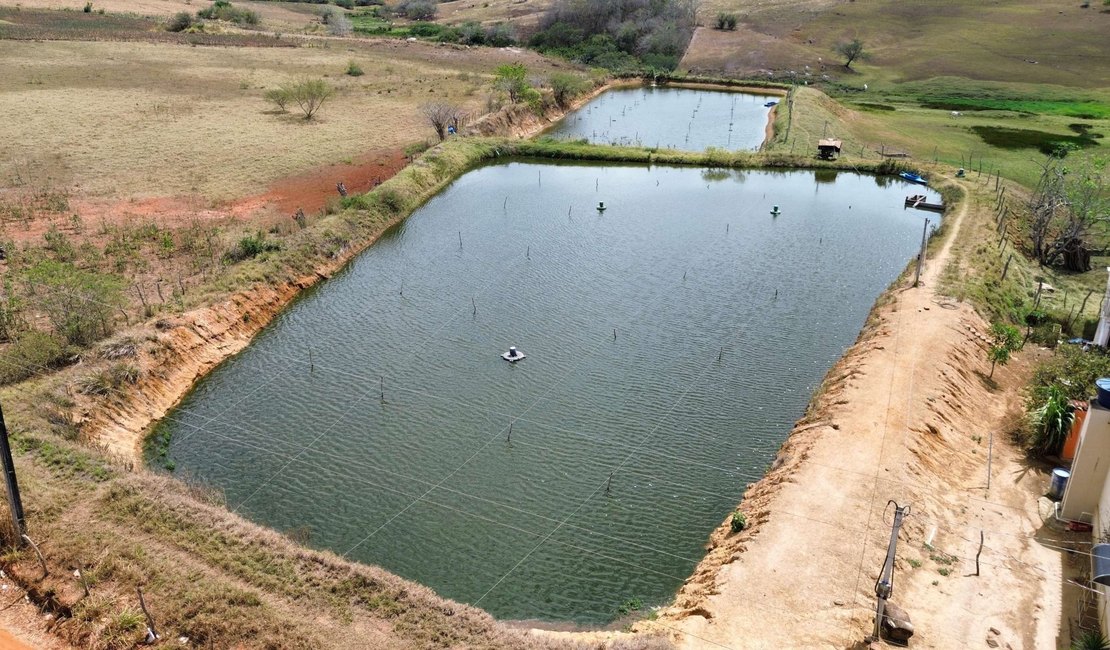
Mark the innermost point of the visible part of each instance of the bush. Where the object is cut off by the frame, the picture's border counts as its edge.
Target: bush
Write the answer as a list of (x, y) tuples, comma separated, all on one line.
[(108, 380), (279, 97), (354, 69), (223, 10), (565, 87), (80, 305), (417, 9), (180, 22), (33, 352), (88, 8), (726, 21), (739, 522), (310, 95), (250, 247)]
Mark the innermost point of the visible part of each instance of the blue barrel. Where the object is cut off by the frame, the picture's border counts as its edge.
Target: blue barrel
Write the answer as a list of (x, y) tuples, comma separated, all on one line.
[(1102, 386), (1059, 483)]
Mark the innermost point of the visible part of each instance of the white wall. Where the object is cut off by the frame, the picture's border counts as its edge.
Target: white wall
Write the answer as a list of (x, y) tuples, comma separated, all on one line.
[(1088, 470)]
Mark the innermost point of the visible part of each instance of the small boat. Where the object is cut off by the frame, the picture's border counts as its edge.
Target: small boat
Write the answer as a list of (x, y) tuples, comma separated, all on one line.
[(914, 178), (513, 355), (921, 202), (769, 104)]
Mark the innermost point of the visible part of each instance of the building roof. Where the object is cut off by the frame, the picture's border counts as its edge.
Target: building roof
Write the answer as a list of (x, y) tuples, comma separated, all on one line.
[(829, 142)]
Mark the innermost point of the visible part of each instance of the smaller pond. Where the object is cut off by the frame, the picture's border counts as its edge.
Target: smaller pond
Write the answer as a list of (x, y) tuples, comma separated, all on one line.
[(688, 119)]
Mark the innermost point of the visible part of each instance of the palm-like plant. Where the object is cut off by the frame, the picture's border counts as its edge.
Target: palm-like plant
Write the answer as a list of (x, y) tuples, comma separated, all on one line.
[(1052, 420)]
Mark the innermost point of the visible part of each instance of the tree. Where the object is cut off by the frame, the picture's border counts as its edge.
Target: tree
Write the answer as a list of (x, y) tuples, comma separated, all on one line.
[(337, 21), (565, 87), (311, 94), (1067, 204), (442, 115), (1005, 339), (851, 51), (511, 78)]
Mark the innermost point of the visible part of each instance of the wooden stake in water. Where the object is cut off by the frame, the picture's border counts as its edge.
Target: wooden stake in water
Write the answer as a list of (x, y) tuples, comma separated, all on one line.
[(684, 276), (509, 437), (474, 305), (720, 354), (614, 334), (402, 291), (311, 365), (528, 253), (381, 386), (460, 240), (776, 294), (609, 484)]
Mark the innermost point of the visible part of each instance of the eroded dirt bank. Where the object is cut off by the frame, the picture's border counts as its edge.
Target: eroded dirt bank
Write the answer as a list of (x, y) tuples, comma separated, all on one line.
[(906, 415)]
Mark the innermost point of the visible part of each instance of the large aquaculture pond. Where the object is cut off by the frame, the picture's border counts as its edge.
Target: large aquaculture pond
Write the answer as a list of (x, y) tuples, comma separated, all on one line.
[(687, 119), (670, 341)]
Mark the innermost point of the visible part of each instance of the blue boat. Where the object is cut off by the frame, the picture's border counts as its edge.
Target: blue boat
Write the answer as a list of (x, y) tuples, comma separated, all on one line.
[(914, 178), (769, 104)]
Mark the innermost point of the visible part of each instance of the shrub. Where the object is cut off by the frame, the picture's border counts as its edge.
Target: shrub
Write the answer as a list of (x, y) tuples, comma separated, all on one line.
[(108, 380), (417, 9), (310, 95), (33, 352), (354, 69), (80, 304), (1051, 422), (739, 522), (88, 8), (250, 247), (180, 22), (223, 10), (1005, 340), (279, 97), (726, 21), (1091, 639)]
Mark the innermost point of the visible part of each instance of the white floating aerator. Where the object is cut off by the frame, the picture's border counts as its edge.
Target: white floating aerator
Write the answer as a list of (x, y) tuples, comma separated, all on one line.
[(513, 355)]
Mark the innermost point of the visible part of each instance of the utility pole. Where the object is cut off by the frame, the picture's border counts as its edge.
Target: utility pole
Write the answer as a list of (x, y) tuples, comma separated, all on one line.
[(921, 254), (884, 585), (15, 504)]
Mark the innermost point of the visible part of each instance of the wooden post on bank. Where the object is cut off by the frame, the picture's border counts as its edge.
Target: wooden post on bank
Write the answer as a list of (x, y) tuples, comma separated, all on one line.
[(921, 254), (15, 503)]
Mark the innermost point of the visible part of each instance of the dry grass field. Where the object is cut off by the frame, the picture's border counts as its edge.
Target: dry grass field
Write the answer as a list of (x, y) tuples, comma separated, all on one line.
[(140, 120), (1011, 40), (274, 16)]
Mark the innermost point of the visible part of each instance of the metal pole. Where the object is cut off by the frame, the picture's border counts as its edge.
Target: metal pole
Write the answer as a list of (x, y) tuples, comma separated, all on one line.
[(921, 255), (884, 586), (15, 504)]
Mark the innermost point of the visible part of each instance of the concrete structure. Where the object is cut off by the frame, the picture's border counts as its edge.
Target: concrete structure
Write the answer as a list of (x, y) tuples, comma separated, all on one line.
[(1087, 497), (1103, 331)]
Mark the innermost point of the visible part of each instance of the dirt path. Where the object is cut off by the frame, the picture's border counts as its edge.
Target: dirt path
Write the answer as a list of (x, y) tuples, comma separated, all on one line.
[(907, 416)]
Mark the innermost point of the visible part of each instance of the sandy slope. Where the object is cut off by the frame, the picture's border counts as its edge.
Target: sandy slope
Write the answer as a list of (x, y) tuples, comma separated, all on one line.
[(907, 415)]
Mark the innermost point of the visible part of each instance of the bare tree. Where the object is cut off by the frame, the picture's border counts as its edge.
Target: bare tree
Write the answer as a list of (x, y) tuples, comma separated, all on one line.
[(443, 116), (851, 51), (1067, 205)]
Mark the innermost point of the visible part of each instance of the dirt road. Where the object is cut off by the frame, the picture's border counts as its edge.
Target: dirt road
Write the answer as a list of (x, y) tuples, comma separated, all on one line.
[(907, 415)]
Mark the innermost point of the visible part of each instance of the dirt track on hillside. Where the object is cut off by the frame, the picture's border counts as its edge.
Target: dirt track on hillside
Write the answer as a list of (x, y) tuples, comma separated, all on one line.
[(906, 415)]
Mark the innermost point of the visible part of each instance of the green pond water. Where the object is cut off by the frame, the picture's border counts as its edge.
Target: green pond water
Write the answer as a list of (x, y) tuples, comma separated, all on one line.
[(670, 118), (592, 472)]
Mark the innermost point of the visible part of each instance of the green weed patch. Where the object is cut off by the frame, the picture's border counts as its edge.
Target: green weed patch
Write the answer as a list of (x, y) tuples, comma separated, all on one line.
[(1043, 141)]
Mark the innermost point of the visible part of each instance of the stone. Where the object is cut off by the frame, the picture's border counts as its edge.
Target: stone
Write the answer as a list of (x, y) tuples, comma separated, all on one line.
[(992, 642), (896, 623), (995, 631)]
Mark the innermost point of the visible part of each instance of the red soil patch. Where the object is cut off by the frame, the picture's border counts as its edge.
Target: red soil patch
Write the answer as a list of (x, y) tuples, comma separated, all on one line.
[(310, 191)]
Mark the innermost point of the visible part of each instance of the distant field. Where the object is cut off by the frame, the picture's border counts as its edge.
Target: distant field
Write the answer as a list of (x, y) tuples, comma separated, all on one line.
[(1010, 40), (280, 16), (140, 119)]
